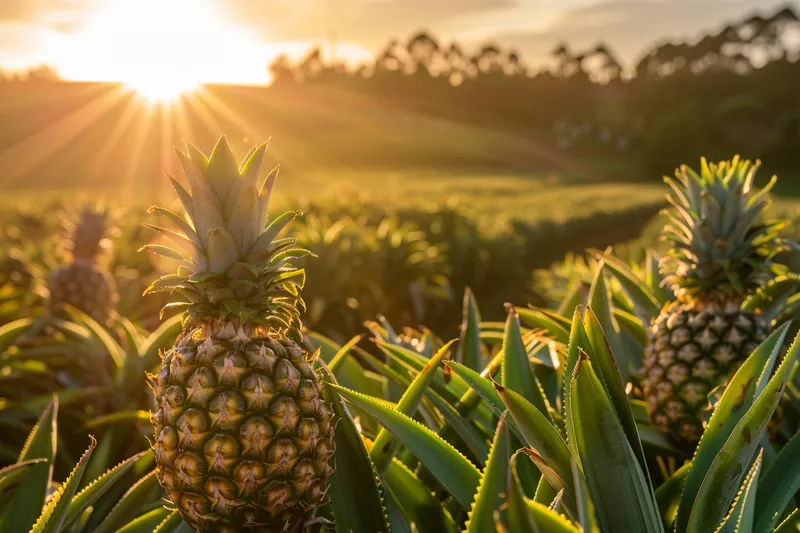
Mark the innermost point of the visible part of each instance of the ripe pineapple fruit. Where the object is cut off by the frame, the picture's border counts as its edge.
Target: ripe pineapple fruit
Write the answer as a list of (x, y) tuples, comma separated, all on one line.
[(722, 251), (82, 283), (243, 438)]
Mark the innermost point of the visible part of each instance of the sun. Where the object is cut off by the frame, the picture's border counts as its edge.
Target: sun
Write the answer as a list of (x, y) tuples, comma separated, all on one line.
[(163, 48), (160, 90)]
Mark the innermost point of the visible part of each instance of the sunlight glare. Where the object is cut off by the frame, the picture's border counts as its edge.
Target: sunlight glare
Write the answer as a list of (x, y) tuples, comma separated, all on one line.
[(162, 48), (158, 90)]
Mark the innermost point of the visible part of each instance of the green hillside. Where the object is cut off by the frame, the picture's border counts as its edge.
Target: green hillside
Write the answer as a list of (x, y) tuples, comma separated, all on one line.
[(102, 135)]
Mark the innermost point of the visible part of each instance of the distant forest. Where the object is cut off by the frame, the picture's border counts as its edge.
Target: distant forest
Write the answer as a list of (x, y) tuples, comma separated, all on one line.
[(734, 91)]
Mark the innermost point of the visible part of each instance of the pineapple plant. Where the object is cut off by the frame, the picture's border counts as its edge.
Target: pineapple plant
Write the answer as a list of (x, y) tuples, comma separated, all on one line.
[(21, 289), (83, 283), (243, 437), (722, 252)]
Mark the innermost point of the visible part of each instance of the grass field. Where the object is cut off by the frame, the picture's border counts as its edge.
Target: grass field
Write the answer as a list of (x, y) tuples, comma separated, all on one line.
[(74, 142), (488, 197)]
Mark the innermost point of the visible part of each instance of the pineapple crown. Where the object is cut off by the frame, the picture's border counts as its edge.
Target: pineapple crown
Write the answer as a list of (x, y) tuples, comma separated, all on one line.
[(87, 233), (231, 263), (720, 245)]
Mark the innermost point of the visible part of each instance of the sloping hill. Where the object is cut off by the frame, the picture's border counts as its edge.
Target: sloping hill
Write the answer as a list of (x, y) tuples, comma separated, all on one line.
[(101, 135)]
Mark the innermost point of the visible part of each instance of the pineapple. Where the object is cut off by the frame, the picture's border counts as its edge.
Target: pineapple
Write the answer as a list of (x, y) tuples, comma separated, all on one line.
[(82, 283), (243, 438), (721, 252)]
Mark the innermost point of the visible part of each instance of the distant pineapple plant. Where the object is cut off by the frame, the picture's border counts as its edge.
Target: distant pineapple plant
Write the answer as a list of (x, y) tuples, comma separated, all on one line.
[(82, 283), (243, 437), (722, 251)]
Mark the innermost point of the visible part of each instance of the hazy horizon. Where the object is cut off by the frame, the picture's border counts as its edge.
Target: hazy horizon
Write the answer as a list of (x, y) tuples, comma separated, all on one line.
[(232, 42)]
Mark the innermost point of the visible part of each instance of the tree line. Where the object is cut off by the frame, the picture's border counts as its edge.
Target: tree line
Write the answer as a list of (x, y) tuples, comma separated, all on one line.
[(729, 91)]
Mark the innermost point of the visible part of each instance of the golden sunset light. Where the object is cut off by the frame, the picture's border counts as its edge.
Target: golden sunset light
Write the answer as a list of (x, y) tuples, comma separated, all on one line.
[(163, 48), (361, 266)]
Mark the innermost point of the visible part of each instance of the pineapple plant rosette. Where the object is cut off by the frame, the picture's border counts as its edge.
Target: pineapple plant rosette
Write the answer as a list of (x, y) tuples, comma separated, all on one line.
[(243, 438), (687, 320), (722, 252), (82, 283)]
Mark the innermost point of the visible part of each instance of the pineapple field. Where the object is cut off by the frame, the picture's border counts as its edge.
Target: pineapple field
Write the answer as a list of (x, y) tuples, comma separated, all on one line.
[(241, 355), (265, 269)]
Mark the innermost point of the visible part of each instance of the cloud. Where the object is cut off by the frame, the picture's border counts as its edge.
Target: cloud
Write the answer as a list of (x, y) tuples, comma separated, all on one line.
[(369, 23), (631, 26)]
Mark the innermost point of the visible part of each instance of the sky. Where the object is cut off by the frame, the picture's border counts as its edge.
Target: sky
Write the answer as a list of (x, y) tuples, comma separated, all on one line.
[(233, 40)]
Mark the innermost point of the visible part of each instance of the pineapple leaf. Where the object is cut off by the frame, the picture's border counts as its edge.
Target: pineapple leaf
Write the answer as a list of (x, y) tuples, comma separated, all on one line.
[(166, 283), (461, 426), (354, 468), (403, 358), (55, 512), (791, 524), (142, 492), (221, 249), (243, 217), (603, 311), (578, 344), (159, 340), (191, 248), (545, 493), (771, 298), (90, 494), (740, 518), (185, 198), (779, 484), (102, 335), (385, 447), (183, 226), (399, 519), (337, 360), (418, 503), (136, 415), (548, 450), (632, 325), (11, 474), (646, 303), (547, 519), (348, 373), (551, 323), (585, 507), (608, 372), (262, 248), (516, 371), (456, 474), (738, 398), (164, 251), (27, 500), (616, 482), (481, 385), (469, 344), (265, 193), (730, 465), (518, 519), (9, 332), (222, 171), (493, 483), (147, 522), (101, 457), (252, 162), (668, 495), (173, 524)]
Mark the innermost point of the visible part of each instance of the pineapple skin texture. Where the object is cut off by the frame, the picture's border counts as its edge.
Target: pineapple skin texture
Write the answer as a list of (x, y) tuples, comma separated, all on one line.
[(243, 438), (692, 350), (84, 286)]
